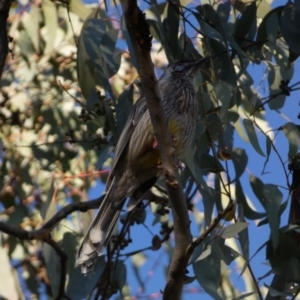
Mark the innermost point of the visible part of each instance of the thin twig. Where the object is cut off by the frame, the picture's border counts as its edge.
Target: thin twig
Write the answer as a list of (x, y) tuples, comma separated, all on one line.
[(213, 225), (44, 232)]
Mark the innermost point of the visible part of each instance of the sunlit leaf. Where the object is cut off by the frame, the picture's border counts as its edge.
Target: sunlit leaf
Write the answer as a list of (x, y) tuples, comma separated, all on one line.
[(8, 287), (243, 296), (31, 25), (231, 230), (252, 136), (50, 13)]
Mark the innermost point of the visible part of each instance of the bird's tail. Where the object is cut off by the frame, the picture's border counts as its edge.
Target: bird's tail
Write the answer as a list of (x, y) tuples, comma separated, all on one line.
[(98, 234)]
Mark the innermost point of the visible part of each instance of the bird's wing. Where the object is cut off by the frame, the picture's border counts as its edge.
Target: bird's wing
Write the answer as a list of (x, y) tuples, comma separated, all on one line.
[(138, 110)]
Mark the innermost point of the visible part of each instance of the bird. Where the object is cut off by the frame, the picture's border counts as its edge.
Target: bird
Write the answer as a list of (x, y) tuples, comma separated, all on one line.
[(137, 163)]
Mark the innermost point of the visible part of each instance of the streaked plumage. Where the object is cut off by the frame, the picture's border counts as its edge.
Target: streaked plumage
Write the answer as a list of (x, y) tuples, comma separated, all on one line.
[(135, 168)]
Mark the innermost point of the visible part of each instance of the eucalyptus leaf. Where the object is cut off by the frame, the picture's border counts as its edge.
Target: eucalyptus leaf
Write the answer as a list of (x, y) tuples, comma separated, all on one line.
[(233, 229), (252, 136), (292, 133), (209, 279), (240, 161), (50, 13), (290, 26)]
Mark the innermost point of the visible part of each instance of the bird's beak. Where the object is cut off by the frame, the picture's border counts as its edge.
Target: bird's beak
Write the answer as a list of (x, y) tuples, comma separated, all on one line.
[(196, 64), (202, 61)]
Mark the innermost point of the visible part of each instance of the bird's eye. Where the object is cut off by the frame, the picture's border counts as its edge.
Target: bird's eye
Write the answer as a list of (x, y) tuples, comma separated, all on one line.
[(179, 68)]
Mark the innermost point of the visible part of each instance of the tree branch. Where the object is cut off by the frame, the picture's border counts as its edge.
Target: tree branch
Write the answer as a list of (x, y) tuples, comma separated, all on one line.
[(141, 42), (44, 234)]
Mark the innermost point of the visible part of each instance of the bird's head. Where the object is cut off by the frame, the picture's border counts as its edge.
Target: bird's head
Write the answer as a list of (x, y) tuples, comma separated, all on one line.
[(186, 68)]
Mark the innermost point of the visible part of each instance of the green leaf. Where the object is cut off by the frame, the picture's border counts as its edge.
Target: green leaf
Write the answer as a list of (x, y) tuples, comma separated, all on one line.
[(206, 252), (50, 15), (240, 161), (274, 293), (187, 49), (80, 9), (244, 296), (46, 205), (223, 95), (79, 286), (286, 250), (241, 199), (273, 200), (246, 23), (252, 136), (257, 186), (243, 235), (290, 26), (265, 25), (210, 14), (223, 11), (292, 133), (189, 279), (87, 77), (111, 55), (8, 288), (31, 24), (268, 151), (228, 255), (209, 31), (272, 28), (25, 45), (128, 41), (282, 208), (53, 267), (93, 32), (209, 279), (171, 26), (97, 42), (231, 230), (210, 164), (120, 274), (202, 248), (155, 30), (277, 73), (213, 124), (137, 261)]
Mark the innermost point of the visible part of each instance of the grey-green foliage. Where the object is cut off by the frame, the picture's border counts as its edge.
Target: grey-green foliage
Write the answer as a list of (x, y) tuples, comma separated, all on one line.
[(64, 104)]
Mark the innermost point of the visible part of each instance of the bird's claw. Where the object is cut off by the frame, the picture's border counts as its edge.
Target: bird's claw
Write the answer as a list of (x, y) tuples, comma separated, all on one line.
[(179, 165)]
